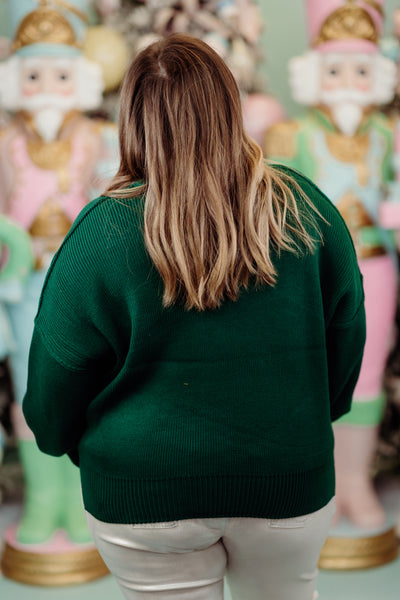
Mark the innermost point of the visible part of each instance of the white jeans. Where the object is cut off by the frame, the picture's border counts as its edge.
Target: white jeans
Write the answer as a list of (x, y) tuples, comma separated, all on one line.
[(263, 559)]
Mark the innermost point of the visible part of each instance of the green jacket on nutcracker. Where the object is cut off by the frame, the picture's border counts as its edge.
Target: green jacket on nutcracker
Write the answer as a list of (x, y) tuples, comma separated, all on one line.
[(175, 414)]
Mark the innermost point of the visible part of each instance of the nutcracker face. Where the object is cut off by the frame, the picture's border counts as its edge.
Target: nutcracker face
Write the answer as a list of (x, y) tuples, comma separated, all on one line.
[(347, 87), (56, 84), (347, 71), (47, 91), (47, 76)]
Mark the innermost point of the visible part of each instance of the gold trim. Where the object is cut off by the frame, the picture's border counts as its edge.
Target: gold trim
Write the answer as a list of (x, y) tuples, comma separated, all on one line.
[(50, 570), (281, 140), (357, 218), (54, 155), (44, 25), (351, 150), (348, 149), (348, 22), (355, 564), (371, 252), (50, 155), (339, 553), (51, 221)]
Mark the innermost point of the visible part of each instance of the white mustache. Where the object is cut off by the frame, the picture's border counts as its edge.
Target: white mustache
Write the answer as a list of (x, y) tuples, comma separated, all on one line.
[(346, 96), (41, 101)]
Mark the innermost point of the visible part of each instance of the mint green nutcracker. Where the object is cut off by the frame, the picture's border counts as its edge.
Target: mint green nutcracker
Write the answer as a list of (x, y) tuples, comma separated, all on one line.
[(346, 147), (17, 263)]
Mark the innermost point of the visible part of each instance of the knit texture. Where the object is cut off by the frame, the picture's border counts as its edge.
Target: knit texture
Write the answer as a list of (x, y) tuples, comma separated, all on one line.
[(175, 414)]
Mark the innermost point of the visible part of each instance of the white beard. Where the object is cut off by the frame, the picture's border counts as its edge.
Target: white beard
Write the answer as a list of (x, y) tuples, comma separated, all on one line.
[(347, 116), (347, 108), (48, 112), (48, 122)]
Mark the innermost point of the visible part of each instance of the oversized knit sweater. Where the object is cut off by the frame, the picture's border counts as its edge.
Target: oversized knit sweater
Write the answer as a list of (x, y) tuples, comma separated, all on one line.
[(175, 414)]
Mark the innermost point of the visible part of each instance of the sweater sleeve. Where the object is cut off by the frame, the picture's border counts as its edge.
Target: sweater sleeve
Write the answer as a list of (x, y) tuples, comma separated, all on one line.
[(345, 346), (70, 357), (343, 299), (342, 289), (345, 315), (56, 400)]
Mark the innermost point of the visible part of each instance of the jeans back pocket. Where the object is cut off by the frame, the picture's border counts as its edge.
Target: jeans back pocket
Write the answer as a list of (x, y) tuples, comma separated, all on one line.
[(291, 523)]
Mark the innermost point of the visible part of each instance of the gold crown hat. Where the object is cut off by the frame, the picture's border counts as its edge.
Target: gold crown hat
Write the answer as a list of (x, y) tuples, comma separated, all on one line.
[(345, 25), (48, 27)]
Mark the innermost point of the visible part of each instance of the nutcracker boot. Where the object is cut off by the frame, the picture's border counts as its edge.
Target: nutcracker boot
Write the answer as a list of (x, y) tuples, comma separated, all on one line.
[(356, 438), (365, 537), (52, 545), (43, 492), (356, 498), (71, 508)]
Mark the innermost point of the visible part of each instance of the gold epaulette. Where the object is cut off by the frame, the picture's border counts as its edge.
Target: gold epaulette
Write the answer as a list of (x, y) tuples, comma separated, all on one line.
[(280, 140), (5, 130), (392, 121), (99, 125)]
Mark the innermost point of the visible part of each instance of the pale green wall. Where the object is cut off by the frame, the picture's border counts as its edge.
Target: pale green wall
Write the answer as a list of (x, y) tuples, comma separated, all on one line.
[(3, 18), (285, 36)]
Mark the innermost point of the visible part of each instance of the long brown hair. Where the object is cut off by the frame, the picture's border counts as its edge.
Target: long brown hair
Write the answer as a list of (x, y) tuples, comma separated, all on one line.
[(213, 209)]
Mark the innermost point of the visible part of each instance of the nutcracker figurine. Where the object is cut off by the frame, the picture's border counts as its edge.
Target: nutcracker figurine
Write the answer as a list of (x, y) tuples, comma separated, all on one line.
[(16, 260), (346, 147), (53, 159)]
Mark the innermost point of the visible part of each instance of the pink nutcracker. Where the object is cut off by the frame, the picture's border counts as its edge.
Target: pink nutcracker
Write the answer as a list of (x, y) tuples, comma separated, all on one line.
[(52, 158)]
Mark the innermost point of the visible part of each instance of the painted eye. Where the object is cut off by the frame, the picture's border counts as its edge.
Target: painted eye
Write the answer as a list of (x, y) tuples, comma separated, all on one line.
[(363, 71), (334, 71), (33, 76), (63, 76)]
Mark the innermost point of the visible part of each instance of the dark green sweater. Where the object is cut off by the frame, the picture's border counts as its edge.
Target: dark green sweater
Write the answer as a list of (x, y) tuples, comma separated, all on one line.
[(175, 414)]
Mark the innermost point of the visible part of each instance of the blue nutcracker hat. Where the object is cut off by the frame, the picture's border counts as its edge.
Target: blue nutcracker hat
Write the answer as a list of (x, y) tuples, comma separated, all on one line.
[(48, 27)]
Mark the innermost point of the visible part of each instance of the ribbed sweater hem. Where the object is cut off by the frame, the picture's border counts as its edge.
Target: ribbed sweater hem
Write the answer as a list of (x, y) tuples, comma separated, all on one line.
[(117, 500)]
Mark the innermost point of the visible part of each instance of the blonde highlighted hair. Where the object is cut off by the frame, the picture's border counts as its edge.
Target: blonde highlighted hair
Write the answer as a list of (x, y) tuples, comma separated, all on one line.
[(214, 211)]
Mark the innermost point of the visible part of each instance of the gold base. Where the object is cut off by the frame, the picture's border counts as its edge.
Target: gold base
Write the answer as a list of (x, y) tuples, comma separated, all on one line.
[(67, 568), (341, 553)]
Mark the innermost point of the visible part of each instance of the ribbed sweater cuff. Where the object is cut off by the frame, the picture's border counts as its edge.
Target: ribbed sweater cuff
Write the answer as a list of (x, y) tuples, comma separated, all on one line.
[(115, 500)]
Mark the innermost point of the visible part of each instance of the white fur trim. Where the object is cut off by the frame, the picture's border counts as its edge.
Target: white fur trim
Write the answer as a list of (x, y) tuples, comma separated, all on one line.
[(304, 77), (89, 84), (385, 79), (9, 83)]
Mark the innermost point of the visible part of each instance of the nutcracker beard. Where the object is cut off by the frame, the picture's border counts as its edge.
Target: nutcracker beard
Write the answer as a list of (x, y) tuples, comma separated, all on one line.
[(48, 112), (347, 107)]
